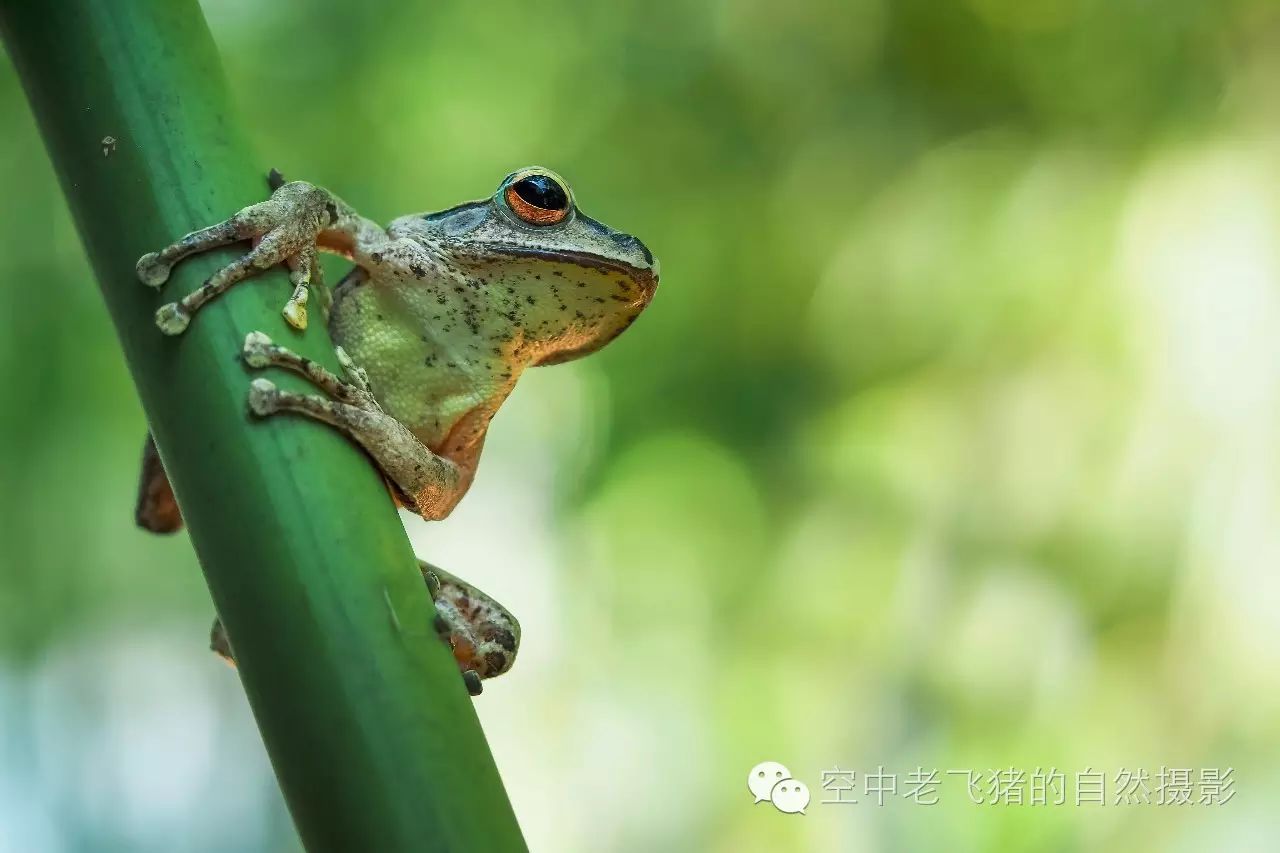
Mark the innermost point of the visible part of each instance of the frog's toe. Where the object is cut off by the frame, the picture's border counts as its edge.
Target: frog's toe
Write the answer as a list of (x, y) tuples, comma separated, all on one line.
[(356, 375), (295, 313), (220, 643), (301, 267), (264, 397), (173, 319), (257, 350), (472, 679), (152, 271), (433, 583)]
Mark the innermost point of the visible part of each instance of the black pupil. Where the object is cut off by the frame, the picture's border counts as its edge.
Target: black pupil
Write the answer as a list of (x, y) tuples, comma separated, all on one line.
[(541, 191)]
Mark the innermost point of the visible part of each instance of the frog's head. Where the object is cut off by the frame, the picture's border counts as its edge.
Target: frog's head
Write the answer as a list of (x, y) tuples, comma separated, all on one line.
[(564, 282)]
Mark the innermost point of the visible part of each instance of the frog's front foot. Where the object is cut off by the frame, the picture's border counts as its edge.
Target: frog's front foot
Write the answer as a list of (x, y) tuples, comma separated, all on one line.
[(426, 482), (348, 403), (259, 352), (284, 229)]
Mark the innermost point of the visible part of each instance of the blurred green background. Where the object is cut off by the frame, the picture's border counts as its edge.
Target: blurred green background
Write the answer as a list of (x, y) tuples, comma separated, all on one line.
[(950, 441)]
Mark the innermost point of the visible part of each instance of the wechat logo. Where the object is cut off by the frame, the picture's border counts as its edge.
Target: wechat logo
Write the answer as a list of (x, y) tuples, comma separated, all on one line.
[(770, 781)]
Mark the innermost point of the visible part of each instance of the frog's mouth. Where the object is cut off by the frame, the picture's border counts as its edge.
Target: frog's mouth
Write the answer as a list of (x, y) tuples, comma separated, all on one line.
[(645, 278)]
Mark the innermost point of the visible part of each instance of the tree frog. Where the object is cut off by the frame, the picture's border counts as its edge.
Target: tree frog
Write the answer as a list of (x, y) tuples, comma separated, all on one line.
[(433, 326)]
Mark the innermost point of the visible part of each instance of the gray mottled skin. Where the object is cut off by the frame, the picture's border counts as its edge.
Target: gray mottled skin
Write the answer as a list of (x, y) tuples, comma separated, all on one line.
[(434, 326)]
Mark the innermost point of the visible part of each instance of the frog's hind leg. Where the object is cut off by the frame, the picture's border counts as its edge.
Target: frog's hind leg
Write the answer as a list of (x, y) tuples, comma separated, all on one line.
[(156, 509), (479, 631)]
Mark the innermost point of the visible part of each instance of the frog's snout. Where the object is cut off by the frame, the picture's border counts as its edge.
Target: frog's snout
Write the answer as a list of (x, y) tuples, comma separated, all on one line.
[(639, 252), (650, 286), (632, 244), (648, 274)]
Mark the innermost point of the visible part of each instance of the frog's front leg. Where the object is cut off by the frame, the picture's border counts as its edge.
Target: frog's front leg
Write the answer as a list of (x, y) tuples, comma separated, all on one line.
[(288, 229), (430, 484)]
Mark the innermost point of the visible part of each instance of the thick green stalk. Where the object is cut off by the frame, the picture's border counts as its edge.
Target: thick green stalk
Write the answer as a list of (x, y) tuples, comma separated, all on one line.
[(373, 738)]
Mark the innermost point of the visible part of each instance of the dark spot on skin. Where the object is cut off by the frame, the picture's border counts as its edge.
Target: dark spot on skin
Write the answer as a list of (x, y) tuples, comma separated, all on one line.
[(417, 270), (332, 210), (501, 636), (377, 257), (495, 662)]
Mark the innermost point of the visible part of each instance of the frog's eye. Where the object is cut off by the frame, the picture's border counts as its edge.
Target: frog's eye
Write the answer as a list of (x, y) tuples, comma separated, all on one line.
[(538, 198)]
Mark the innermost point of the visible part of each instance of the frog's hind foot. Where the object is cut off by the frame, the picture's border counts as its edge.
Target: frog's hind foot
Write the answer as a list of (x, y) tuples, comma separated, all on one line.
[(220, 643), (483, 635), (460, 634), (285, 228), (156, 509), (471, 679)]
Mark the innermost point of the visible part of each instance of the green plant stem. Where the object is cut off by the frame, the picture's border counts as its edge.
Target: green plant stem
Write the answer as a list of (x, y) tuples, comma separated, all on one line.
[(373, 738)]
